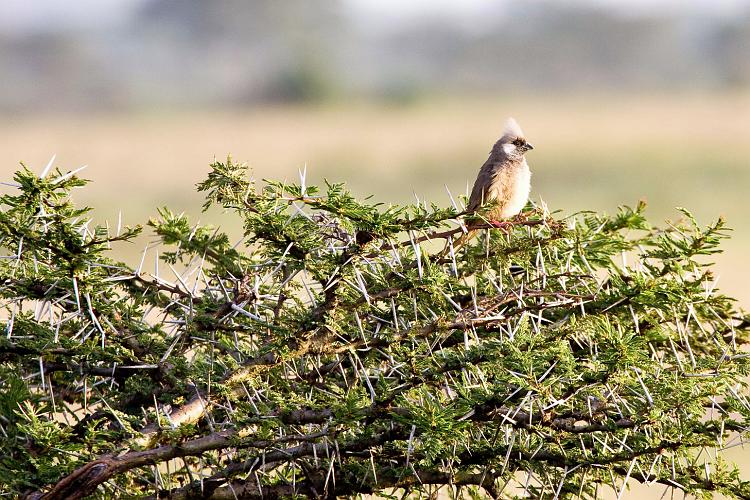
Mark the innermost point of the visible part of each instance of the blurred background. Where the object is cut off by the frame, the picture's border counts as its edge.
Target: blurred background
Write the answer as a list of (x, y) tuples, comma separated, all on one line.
[(624, 100)]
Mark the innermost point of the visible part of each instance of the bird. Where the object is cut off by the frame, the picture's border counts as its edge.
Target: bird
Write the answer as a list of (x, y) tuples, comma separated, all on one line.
[(504, 181)]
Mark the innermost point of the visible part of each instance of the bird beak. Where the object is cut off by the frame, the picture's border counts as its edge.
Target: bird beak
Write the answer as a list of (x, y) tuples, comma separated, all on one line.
[(529, 147)]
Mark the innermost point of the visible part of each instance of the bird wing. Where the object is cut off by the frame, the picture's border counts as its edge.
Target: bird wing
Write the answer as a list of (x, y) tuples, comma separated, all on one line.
[(484, 181)]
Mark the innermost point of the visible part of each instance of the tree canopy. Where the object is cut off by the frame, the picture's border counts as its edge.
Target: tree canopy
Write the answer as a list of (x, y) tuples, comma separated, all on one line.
[(344, 347)]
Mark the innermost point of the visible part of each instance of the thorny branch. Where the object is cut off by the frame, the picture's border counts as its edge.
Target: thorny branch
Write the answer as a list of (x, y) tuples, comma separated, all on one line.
[(333, 355)]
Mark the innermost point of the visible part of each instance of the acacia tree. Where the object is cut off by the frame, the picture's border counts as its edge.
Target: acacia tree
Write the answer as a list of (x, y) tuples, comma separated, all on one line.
[(340, 350)]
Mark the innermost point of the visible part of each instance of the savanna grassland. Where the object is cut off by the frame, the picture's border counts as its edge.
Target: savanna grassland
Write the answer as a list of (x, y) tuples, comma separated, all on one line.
[(592, 153)]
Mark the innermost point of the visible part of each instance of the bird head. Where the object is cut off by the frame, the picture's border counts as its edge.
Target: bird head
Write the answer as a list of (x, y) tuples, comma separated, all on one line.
[(513, 142)]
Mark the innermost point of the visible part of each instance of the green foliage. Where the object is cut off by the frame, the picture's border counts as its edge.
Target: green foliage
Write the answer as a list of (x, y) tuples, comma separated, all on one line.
[(343, 348)]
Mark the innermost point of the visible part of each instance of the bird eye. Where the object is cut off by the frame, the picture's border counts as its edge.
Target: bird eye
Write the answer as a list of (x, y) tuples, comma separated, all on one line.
[(518, 142)]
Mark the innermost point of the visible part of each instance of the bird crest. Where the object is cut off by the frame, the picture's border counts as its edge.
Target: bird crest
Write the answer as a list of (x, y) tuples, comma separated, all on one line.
[(512, 129)]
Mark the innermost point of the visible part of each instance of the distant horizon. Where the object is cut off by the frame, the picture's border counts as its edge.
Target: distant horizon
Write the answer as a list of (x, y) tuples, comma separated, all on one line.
[(20, 16)]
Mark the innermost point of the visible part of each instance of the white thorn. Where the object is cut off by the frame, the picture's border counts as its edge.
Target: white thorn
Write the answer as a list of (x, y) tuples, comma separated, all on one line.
[(302, 177), (69, 174), (450, 195), (49, 165)]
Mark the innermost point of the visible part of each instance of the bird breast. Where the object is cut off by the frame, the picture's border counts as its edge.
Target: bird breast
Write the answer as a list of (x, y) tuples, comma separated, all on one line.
[(511, 186)]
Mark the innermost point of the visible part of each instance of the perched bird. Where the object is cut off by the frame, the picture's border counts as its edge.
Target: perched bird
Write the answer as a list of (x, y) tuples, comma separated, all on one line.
[(504, 180)]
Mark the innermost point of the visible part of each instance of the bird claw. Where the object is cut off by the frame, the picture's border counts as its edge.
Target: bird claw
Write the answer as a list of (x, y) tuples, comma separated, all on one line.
[(505, 224), (500, 224)]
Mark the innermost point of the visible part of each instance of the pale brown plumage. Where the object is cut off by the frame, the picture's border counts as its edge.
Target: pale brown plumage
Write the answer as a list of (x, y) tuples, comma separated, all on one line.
[(504, 180)]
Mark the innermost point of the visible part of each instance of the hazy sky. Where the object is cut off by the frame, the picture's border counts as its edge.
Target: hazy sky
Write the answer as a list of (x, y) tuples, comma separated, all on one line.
[(395, 10), (41, 15), (25, 15), (418, 6)]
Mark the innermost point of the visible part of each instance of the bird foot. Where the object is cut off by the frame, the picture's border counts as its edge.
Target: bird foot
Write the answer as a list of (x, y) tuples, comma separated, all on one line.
[(500, 224)]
